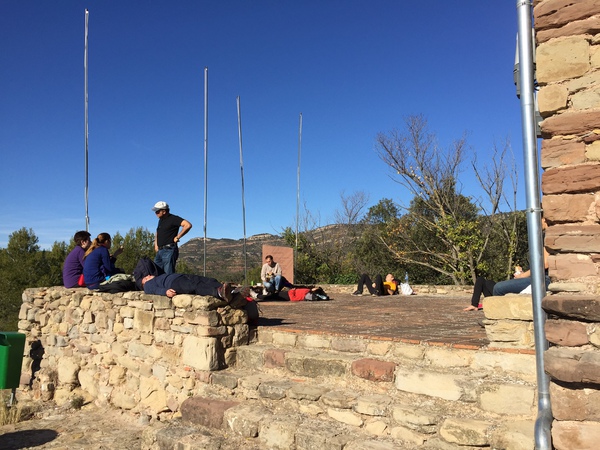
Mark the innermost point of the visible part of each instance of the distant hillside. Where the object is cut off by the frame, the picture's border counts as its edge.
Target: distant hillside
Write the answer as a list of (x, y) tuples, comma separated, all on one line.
[(226, 256)]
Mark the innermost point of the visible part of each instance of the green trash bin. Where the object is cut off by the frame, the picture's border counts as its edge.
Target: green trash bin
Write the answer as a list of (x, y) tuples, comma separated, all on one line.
[(12, 347)]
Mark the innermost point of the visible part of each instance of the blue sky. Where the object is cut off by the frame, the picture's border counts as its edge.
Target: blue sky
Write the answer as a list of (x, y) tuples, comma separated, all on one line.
[(352, 68)]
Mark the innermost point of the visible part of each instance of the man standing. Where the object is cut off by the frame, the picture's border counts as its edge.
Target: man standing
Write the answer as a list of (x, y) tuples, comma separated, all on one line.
[(167, 237)]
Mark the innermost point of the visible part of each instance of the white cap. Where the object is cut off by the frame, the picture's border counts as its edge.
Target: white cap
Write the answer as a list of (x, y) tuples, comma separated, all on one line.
[(160, 205)]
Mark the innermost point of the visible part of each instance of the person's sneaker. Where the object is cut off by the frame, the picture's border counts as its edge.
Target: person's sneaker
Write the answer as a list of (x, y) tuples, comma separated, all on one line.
[(480, 307), (356, 293)]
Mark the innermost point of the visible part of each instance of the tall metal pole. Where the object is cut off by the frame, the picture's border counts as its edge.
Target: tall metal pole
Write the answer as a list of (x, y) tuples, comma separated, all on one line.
[(205, 159), (298, 193), (542, 434), (85, 95), (239, 111)]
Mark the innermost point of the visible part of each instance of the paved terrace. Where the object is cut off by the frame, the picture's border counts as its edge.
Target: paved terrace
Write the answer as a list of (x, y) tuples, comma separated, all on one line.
[(422, 318)]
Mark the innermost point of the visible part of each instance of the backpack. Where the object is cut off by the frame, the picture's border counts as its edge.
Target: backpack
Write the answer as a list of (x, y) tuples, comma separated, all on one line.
[(145, 267)]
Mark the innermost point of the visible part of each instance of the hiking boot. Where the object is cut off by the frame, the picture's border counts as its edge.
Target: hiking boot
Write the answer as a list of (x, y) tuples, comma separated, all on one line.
[(225, 292), (356, 293), (243, 290)]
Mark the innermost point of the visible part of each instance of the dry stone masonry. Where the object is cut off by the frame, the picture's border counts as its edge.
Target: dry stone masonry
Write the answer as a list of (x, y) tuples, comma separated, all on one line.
[(568, 72)]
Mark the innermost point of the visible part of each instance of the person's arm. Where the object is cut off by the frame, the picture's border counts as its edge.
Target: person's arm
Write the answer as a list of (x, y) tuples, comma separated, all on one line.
[(277, 270), (527, 273), (107, 263), (263, 273), (155, 242), (154, 288), (185, 227)]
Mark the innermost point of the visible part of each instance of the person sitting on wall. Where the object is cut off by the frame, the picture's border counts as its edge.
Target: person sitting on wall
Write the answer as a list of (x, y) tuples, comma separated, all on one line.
[(73, 267)]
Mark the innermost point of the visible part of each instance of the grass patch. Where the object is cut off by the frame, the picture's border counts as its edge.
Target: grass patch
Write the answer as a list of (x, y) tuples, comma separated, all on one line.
[(9, 414)]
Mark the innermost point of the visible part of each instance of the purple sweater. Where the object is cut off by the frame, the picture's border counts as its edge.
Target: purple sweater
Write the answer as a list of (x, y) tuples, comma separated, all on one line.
[(73, 267)]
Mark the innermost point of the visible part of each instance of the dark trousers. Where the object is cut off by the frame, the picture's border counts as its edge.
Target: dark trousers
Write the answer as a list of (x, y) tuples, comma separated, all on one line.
[(196, 284), (482, 286), (366, 281)]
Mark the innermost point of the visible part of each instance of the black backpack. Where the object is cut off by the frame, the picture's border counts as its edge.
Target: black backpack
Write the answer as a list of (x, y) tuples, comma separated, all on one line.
[(145, 267)]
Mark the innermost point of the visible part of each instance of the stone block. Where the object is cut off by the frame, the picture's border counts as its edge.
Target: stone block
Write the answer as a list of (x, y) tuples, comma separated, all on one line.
[(304, 365), (552, 98), (585, 307), (514, 307), (567, 207), (143, 321), (345, 416), (274, 357), (445, 386), (320, 437), (575, 435), (578, 124), (279, 434), (348, 344), (153, 395), (301, 391), (207, 412), (244, 420), (573, 365), (416, 417), (314, 341), (562, 59), (407, 435), (575, 403), (569, 265), (514, 435), (204, 318), (466, 431), (445, 357), (507, 399), (372, 405), (200, 353), (68, 370), (510, 333), (573, 238), (558, 13), (288, 339), (274, 390), (373, 369), (567, 333), (250, 358), (339, 400)]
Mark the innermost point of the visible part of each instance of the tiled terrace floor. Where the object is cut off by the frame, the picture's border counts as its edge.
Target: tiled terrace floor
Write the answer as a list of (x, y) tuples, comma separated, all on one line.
[(435, 319)]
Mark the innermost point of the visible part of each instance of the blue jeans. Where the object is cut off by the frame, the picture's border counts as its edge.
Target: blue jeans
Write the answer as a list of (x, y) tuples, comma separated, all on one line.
[(274, 285), (514, 286), (166, 259)]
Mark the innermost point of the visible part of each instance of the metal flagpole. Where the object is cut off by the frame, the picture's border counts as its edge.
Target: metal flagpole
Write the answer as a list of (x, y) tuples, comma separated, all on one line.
[(239, 111), (205, 158), (85, 71), (298, 194)]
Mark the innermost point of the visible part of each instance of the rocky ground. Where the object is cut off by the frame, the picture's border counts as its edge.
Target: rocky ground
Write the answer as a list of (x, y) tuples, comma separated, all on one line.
[(85, 428)]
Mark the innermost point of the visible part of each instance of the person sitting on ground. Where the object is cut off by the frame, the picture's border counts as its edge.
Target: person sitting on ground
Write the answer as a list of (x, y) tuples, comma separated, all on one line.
[(271, 276), (172, 284), (99, 264), (73, 267), (379, 287), (482, 286)]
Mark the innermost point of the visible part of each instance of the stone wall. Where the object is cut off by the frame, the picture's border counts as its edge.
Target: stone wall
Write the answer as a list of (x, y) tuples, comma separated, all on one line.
[(130, 350), (568, 72)]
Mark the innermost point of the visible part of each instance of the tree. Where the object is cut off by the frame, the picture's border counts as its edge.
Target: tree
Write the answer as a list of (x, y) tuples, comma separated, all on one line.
[(442, 230), (137, 243)]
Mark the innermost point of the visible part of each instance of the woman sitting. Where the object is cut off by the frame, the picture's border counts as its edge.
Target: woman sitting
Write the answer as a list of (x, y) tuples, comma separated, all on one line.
[(99, 264)]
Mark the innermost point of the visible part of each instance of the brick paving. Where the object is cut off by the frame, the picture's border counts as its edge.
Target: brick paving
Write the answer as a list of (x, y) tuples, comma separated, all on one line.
[(433, 319)]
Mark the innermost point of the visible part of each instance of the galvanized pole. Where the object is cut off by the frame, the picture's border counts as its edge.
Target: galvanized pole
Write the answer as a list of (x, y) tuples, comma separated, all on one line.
[(205, 159), (85, 95), (542, 434), (298, 194), (239, 111)]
